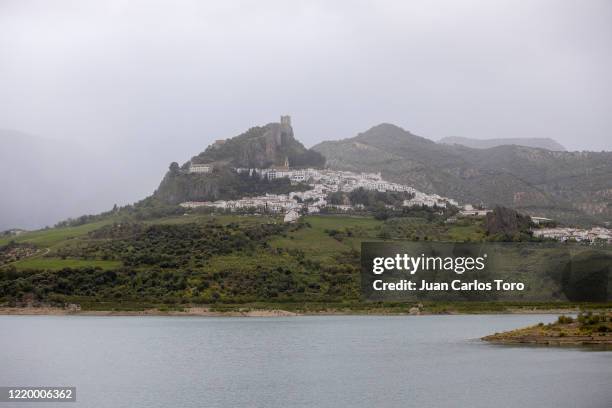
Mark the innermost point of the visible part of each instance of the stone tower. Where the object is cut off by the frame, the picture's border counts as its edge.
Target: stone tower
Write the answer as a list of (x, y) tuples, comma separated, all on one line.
[(285, 120)]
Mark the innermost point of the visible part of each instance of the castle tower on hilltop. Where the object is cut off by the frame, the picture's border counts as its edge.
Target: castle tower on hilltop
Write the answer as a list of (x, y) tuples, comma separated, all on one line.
[(285, 120)]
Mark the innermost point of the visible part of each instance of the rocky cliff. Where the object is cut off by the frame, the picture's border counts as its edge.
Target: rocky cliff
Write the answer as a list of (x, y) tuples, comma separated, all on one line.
[(259, 147)]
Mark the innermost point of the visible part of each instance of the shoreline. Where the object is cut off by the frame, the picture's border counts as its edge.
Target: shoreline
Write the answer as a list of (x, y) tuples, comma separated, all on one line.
[(584, 330), (604, 341), (250, 312), (192, 311)]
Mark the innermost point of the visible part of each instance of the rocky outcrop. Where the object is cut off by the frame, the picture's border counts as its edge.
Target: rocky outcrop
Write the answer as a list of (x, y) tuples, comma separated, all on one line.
[(506, 221), (272, 145), (264, 146)]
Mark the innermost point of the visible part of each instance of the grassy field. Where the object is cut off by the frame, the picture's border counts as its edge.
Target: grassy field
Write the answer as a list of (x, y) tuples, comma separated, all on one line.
[(317, 244), (460, 233), (57, 263), (311, 266), (316, 241), (50, 237), (322, 239), (222, 219)]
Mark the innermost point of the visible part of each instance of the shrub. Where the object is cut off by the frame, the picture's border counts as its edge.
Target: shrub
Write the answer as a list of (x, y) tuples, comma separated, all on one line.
[(565, 320)]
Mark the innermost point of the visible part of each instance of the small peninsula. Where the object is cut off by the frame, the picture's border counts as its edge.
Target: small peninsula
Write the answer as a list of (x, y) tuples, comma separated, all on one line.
[(586, 329)]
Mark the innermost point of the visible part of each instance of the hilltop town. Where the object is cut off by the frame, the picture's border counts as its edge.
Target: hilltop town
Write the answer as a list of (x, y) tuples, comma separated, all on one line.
[(211, 232), (563, 234), (327, 189), (322, 183)]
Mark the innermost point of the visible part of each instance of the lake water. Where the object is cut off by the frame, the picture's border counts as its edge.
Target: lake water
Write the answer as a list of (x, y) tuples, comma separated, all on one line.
[(311, 361)]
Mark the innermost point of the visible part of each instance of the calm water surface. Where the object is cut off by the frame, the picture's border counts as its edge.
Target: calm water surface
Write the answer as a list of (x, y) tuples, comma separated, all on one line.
[(335, 361)]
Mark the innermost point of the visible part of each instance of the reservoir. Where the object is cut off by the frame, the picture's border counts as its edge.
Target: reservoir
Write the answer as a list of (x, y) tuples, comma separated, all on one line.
[(306, 361)]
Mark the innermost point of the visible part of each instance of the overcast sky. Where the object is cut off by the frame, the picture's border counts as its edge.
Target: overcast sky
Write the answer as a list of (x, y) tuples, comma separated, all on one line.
[(171, 76)]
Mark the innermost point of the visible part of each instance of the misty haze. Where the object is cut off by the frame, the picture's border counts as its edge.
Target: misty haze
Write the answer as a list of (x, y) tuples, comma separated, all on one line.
[(98, 98), (306, 203)]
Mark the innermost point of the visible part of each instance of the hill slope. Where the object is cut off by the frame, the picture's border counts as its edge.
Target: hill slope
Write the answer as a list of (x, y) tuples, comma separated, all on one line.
[(570, 186), (259, 147), (120, 263), (539, 143)]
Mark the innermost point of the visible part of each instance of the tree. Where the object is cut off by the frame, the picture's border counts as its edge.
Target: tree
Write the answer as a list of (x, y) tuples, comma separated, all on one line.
[(174, 167)]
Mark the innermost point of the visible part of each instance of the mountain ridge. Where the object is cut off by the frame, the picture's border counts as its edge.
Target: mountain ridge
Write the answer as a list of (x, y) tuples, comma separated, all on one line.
[(571, 186), (541, 143)]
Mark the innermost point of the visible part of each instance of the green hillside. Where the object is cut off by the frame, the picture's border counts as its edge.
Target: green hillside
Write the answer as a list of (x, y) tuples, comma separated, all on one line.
[(155, 253), (222, 184), (540, 143), (221, 260), (205, 258), (573, 187)]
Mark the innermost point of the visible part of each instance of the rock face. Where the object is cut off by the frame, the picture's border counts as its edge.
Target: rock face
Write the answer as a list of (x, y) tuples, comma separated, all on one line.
[(571, 187), (506, 221), (539, 143), (177, 187), (261, 146)]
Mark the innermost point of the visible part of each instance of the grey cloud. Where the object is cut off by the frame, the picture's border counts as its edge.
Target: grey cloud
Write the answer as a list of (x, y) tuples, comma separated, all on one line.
[(144, 83)]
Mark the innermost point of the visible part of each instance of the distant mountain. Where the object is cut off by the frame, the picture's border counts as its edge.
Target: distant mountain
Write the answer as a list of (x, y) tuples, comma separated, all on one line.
[(259, 147), (37, 177), (44, 181), (569, 186), (540, 143)]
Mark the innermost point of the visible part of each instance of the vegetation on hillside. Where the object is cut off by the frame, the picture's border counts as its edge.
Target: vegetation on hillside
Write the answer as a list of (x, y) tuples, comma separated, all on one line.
[(259, 147), (222, 259), (207, 258), (586, 329), (536, 142), (156, 252), (573, 187), (262, 147), (222, 184), (506, 224)]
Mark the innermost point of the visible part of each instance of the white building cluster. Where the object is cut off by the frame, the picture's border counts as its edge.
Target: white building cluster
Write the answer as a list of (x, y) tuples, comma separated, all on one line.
[(581, 235), (276, 173), (333, 180), (322, 183), (429, 200), (469, 211), (275, 203), (200, 168)]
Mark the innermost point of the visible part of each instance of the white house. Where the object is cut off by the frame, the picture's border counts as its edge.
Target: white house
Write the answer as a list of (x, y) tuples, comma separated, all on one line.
[(200, 168), (540, 220), (291, 216), (474, 213)]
